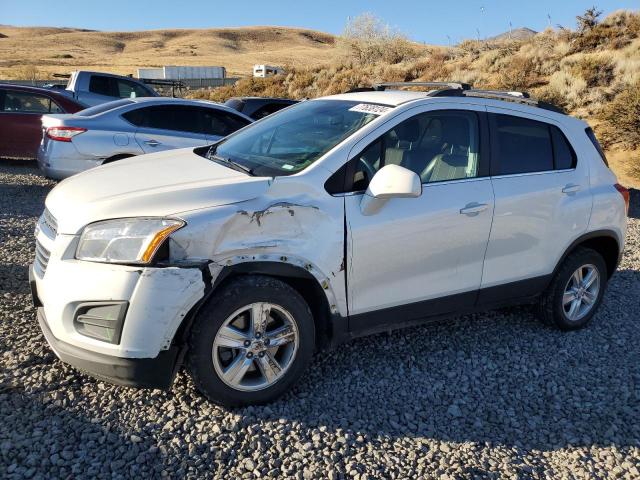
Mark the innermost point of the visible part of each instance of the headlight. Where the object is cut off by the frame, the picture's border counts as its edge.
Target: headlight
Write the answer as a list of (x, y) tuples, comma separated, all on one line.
[(126, 240)]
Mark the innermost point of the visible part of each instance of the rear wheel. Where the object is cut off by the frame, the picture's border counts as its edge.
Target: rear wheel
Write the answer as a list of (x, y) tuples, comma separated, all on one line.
[(251, 342), (576, 291)]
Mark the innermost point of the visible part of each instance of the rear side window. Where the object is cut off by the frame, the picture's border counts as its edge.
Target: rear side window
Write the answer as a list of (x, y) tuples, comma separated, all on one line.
[(218, 123), (166, 117), (594, 140), (25, 102), (520, 145), (102, 86), (268, 110)]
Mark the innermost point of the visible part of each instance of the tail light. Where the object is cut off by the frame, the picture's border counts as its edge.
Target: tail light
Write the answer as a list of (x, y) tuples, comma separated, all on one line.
[(64, 134), (625, 195)]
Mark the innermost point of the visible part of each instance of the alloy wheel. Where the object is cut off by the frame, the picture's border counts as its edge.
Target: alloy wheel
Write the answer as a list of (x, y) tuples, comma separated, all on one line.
[(581, 292), (255, 346)]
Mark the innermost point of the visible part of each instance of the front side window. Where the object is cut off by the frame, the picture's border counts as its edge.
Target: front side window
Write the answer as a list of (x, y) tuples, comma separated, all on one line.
[(128, 89), (289, 142), (23, 102), (438, 146)]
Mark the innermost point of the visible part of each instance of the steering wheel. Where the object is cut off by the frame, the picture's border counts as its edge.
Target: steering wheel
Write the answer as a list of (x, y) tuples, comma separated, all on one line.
[(368, 168)]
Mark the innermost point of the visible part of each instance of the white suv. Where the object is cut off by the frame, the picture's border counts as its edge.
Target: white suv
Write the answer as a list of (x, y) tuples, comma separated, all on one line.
[(333, 218)]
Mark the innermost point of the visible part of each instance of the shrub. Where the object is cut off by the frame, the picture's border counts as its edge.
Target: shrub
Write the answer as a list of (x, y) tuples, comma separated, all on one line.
[(621, 118), (369, 40), (597, 71), (564, 89), (519, 73), (615, 32)]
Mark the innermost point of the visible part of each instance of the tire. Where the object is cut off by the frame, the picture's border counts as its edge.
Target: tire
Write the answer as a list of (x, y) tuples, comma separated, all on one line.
[(209, 360), (555, 309)]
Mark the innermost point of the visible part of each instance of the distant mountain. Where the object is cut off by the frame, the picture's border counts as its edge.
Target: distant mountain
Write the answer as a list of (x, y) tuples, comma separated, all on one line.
[(522, 33)]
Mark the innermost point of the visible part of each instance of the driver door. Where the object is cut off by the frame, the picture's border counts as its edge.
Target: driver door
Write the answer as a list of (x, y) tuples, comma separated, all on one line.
[(422, 256)]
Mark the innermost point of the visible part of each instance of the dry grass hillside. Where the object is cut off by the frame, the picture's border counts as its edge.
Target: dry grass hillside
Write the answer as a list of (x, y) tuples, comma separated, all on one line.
[(44, 50), (593, 72)]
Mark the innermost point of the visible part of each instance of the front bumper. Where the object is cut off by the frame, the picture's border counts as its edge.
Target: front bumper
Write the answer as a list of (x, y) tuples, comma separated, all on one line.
[(158, 298), (155, 372)]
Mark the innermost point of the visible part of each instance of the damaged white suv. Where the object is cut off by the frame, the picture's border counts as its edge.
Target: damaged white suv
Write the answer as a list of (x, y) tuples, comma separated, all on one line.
[(334, 218)]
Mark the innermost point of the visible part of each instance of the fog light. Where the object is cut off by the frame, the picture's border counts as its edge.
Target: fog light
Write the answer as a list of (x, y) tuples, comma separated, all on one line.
[(100, 320)]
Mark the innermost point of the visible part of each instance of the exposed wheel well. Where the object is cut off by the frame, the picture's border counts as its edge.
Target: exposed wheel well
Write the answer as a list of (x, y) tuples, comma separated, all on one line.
[(298, 279), (117, 157), (605, 245)]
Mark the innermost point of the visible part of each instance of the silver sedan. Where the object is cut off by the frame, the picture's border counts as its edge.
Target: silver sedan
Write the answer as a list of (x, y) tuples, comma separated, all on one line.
[(128, 127)]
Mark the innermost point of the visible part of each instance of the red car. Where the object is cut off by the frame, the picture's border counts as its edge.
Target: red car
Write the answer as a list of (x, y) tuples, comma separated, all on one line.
[(21, 110)]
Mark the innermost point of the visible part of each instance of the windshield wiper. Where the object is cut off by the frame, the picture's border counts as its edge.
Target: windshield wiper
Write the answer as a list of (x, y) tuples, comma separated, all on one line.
[(231, 164)]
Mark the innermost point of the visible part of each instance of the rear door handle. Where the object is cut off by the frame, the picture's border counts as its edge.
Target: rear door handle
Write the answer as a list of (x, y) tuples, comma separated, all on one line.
[(473, 208), (152, 143), (571, 188)]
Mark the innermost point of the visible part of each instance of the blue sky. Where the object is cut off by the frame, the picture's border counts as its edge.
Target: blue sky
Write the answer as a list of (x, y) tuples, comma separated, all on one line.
[(423, 20)]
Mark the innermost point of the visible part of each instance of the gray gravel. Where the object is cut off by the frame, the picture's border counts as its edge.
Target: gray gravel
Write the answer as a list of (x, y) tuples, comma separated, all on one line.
[(495, 395)]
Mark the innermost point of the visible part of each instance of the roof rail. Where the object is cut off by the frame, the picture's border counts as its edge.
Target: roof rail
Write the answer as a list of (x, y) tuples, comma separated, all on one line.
[(502, 96), (438, 85), (516, 97)]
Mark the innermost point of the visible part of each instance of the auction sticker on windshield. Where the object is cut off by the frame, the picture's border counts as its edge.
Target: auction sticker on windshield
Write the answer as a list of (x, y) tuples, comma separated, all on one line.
[(370, 108)]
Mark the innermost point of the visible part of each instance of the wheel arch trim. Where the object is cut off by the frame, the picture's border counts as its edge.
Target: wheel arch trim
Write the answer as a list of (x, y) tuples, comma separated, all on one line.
[(606, 233)]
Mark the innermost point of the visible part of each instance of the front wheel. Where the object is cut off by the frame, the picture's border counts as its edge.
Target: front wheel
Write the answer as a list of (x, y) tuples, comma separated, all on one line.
[(251, 342), (576, 291)]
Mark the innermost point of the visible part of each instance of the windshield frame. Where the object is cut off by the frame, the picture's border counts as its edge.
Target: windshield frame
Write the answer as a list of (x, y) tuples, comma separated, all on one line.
[(257, 168)]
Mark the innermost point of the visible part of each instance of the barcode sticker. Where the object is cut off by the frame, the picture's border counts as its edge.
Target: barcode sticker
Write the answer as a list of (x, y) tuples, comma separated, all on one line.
[(370, 108)]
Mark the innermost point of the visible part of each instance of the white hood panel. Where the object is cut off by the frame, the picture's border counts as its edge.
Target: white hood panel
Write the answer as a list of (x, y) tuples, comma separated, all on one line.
[(157, 184)]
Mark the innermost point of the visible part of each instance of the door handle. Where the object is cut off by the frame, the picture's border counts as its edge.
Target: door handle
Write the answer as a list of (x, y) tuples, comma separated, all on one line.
[(473, 208), (152, 143), (571, 188)]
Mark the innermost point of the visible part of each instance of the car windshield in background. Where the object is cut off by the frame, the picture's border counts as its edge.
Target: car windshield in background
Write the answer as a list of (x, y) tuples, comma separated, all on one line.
[(103, 107), (293, 139)]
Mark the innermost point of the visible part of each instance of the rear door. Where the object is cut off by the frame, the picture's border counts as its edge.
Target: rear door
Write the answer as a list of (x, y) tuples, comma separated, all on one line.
[(21, 121), (542, 201), (420, 256), (164, 127)]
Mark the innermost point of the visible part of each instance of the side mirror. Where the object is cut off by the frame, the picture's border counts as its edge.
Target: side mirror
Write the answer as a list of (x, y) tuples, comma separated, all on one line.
[(391, 181)]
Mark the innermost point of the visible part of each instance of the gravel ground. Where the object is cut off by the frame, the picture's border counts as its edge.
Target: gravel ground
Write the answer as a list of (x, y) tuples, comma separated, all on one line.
[(495, 395)]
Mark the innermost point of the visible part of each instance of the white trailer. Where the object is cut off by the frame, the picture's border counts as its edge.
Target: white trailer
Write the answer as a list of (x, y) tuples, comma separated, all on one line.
[(263, 71), (169, 72)]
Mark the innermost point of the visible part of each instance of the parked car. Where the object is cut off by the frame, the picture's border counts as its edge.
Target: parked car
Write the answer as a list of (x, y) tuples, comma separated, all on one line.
[(94, 88), (338, 217), (259, 107), (21, 108), (125, 128)]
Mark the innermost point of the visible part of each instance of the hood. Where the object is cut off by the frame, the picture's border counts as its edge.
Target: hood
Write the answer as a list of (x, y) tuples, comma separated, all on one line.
[(158, 184)]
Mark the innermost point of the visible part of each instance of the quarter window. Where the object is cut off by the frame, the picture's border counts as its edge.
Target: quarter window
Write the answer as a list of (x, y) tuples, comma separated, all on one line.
[(563, 155)]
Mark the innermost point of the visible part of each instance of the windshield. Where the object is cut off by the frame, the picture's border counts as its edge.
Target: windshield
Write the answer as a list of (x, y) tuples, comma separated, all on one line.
[(103, 107), (290, 141)]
